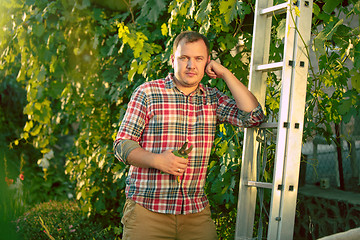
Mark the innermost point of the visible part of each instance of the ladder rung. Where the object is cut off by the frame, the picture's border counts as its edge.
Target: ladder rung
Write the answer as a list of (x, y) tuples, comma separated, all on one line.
[(259, 184), (277, 9), (270, 67), (268, 125)]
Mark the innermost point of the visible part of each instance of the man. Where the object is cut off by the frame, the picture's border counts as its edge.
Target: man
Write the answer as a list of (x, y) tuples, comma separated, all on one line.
[(165, 193)]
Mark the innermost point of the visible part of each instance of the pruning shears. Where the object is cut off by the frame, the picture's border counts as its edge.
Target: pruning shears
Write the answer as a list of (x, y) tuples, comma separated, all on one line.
[(183, 153)]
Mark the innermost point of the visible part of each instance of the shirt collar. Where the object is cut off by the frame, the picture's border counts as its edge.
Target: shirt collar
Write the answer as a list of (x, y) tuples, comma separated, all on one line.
[(169, 84)]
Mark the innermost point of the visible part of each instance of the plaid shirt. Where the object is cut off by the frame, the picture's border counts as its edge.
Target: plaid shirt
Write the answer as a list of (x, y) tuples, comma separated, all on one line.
[(160, 117)]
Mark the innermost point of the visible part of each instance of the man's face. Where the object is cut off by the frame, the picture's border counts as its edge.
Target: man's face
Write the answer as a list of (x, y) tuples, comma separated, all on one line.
[(189, 62)]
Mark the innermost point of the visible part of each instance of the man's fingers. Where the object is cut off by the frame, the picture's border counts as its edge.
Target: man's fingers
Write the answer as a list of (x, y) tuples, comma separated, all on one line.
[(180, 167), (179, 171), (175, 165), (210, 72)]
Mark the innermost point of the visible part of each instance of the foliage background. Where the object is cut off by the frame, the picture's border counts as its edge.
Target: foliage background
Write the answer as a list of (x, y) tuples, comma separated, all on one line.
[(68, 68)]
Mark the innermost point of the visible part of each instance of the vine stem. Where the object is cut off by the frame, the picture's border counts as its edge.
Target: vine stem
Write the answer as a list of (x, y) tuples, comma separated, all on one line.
[(128, 4), (46, 229), (303, 41)]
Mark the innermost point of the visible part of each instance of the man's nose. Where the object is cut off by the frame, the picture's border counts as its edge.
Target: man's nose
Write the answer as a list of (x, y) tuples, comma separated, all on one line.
[(190, 64)]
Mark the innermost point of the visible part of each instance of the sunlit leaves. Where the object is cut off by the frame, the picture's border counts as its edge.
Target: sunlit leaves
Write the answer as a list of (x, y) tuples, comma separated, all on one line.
[(334, 88), (203, 15), (123, 32), (297, 11), (138, 42), (346, 105), (65, 50), (141, 47), (164, 29), (232, 9), (321, 40), (79, 64), (150, 9)]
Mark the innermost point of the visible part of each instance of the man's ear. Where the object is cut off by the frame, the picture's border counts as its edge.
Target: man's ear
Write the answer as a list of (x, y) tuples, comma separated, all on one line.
[(208, 61)]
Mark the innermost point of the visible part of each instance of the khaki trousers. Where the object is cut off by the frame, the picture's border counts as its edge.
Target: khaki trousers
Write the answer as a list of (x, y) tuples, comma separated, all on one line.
[(142, 224)]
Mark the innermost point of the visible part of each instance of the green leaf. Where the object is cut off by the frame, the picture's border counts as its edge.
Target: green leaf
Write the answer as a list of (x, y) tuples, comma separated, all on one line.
[(152, 9), (56, 88), (42, 74), (141, 67), (223, 147), (212, 164), (357, 56), (220, 84), (272, 102), (232, 150), (316, 10), (357, 7), (222, 128), (232, 9), (133, 70), (217, 140), (164, 29), (28, 126), (344, 106), (36, 130), (38, 105), (332, 27), (330, 5), (203, 14), (84, 4), (228, 9), (39, 30), (325, 35), (355, 80), (342, 38), (280, 30), (297, 11), (266, 176), (319, 44)]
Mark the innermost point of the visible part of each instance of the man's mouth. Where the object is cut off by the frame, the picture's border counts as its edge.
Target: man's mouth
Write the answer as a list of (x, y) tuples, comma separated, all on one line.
[(190, 74)]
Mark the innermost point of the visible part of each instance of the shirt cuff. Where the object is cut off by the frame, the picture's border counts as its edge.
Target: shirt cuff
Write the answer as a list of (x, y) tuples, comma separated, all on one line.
[(254, 118), (123, 149)]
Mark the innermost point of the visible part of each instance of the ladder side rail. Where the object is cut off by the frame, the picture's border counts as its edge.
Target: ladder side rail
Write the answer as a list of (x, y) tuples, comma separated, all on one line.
[(282, 216), (296, 118), (257, 85), (247, 195), (282, 133)]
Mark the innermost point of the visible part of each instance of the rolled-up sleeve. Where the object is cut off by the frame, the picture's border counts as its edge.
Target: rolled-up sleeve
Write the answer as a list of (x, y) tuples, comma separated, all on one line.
[(228, 111), (253, 118), (123, 148), (132, 125)]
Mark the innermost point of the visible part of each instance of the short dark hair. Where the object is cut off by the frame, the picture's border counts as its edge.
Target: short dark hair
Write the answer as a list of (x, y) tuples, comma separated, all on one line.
[(190, 36)]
